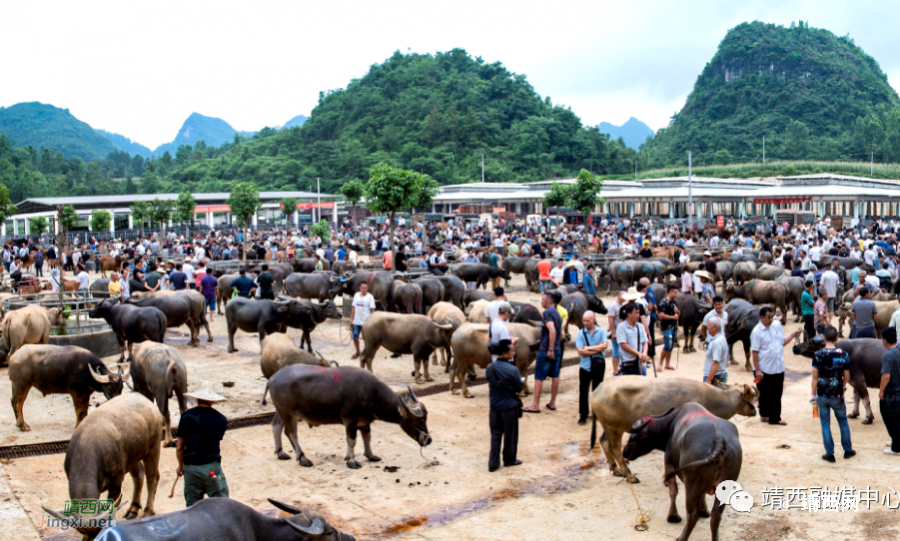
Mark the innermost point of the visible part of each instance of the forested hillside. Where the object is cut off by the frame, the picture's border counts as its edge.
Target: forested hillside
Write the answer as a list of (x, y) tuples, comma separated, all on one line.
[(39, 124), (813, 95), (123, 143)]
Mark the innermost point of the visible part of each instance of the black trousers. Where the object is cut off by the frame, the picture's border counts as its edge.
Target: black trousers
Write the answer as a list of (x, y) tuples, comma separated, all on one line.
[(809, 327), (505, 429), (770, 390), (892, 422), (588, 380), (651, 346), (632, 368)]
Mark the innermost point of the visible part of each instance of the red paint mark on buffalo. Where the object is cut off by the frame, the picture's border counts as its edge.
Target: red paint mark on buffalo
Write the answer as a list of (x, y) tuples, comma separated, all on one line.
[(336, 376), (688, 417)]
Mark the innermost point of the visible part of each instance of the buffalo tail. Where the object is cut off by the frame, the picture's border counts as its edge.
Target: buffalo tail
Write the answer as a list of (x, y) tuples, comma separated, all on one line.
[(593, 430), (717, 455), (265, 392)]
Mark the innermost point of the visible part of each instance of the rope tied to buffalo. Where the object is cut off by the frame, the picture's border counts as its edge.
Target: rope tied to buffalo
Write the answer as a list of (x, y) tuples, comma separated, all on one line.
[(643, 517)]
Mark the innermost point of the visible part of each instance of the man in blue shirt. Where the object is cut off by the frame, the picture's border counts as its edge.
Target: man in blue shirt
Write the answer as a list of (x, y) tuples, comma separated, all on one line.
[(341, 253), (590, 342), (587, 282), (243, 285), (504, 384), (178, 279), (546, 366)]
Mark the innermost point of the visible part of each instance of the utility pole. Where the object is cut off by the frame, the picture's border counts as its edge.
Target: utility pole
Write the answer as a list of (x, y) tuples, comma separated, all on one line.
[(318, 198), (764, 150), (690, 192), (482, 168), (872, 172), (635, 169)]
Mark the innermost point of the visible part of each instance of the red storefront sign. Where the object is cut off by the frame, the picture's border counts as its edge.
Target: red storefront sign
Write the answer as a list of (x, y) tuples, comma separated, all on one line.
[(780, 200), (324, 205), (212, 208), (720, 221)]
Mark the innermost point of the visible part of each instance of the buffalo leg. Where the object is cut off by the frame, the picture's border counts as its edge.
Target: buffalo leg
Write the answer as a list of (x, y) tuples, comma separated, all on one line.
[(715, 519), (672, 483), (692, 501), (81, 402), (205, 322), (863, 393), (122, 349), (365, 361), (367, 441), (307, 339), (351, 429), (194, 326), (731, 359), (162, 401), (461, 374), (231, 330), (18, 400), (130, 350), (151, 468), (278, 429), (290, 426), (137, 475)]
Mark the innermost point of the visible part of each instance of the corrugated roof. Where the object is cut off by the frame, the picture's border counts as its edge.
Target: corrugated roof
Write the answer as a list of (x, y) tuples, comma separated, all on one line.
[(112, 199)]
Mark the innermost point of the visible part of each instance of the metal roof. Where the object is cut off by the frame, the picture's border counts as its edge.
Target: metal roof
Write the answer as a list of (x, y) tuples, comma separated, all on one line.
[(112, 199)]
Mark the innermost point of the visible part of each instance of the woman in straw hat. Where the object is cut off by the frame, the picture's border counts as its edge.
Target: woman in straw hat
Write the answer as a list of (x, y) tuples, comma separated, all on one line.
[(708, 291), (197, 449)]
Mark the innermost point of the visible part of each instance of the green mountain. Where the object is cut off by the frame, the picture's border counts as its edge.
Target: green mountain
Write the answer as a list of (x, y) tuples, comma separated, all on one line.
[(42, 125), (634, 132), (213, 131), (813, 95), (434, 114), (132, 147), (298, 120)]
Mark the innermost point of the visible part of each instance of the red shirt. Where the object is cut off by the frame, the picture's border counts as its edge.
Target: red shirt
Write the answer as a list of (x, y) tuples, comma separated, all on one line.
[(544, 269)]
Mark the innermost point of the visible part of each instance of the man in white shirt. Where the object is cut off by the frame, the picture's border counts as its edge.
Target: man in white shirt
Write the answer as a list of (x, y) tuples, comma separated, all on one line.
[(715, 365), (717, 311), (363, 306), (869, 256), (829, 284), (493, 307), (188, 270), (498, 330), (84, 281), (767, 343), (557, 273)]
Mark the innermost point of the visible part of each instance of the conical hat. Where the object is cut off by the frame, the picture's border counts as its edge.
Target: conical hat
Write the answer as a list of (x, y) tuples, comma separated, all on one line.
[(205, 391)]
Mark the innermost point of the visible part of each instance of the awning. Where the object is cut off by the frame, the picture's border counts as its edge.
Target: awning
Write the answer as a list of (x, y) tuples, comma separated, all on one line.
[(780, 200)]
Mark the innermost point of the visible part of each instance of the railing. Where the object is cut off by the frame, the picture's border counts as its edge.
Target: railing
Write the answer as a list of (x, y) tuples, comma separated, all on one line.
[(73, 303)]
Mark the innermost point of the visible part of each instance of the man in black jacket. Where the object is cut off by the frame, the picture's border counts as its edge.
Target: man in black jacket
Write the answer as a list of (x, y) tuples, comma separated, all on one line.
[(504, 382)]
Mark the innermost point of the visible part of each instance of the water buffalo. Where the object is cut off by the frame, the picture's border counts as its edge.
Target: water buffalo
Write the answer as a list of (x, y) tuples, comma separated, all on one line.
[(525, 312), (700, 448), (261, 316), (131, 323), (159, 373), (308, 264), (769, 272), (29, 325), (438, 313), (279, 350), (432, 292), (341, 267), (761, 292), (178, 309), (321, 287), (795, 286), (122, 436), (513, 265), (307, 320), (885, 310), (846, 262), (579, 303), (60, 370), (380, 285), (405, 333), (110, 263), (100, 288), (742, 319), (477, 312), (479, 273), (225, 290), (532, 274), (744, 271), (692, 313), (621, 401), (226, 519), (406, 298), (865, 368), (472, 295), (349, 396), (453, 290), (470, 347)]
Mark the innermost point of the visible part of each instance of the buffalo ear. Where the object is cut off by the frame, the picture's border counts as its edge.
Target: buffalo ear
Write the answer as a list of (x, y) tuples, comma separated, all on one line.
[(285, 507), (750, 392), (640, 424)]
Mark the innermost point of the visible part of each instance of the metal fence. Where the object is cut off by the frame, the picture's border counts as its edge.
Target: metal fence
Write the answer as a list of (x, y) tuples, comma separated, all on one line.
[(75, 305)]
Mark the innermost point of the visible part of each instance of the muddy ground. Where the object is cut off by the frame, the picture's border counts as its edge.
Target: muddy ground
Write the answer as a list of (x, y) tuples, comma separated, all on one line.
[(563, 490)]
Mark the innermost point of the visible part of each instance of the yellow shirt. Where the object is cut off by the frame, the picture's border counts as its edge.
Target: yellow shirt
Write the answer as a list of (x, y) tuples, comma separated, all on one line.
[(563, 313), (115, 288)]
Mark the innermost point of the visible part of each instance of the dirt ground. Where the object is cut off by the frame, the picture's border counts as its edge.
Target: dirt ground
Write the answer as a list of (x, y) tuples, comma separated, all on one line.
[(562, 491)]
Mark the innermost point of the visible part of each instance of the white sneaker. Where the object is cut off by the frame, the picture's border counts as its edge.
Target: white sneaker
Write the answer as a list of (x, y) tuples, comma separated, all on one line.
[(889, 452)]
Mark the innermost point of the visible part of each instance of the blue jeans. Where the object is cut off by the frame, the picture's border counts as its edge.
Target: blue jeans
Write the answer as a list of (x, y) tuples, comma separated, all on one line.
[(546, 285), (836, 403), (721, 376), (668, 339)]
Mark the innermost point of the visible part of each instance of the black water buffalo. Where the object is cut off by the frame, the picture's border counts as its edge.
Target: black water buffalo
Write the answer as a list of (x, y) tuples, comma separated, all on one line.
[(405, 334), (532, 274), (525, 312), (471, 295), (865, 368), (178, 310), (307, 320), (514, 265), (120, 437), (406, 298), (479, 273), (131, 323), (846, 262), (100, 288), (340, 267), (700, 448), (278, 274), (380, 285), (225, 519), (321, 287), (692, 313), (308, 264), (742, 319), (159, 373), (60, 370), (432, 292), (453, 290), (579, 303), (795, 286), (349, 396), (261, 316)]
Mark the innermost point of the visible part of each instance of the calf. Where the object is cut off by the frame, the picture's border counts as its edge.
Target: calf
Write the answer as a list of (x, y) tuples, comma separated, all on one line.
[(159, 373), (225, 519), (131, 323), (700, 448), (348, 396), (60, 370)]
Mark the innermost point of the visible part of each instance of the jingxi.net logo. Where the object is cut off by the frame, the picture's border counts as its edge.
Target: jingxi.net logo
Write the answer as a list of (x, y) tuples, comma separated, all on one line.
[(731, 493)]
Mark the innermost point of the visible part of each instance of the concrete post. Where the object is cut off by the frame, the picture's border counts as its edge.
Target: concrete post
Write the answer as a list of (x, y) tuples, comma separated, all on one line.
[(671, 210), (130, 221), (210, 220), (335, 209), (26, 226), (112, 223), (255, 220), (631, 210)]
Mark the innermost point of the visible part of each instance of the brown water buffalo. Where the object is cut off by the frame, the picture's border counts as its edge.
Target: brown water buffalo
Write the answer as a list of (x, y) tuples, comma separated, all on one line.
[(885, 310), (405, 334), (406, 298), (470, 347), (621, 401), (762, 292), (225, 291), (159, 373), (769, 272), (440, 312), (60, 370), (744, 272), (477, 312), (122, 436), (349, 396), (30, 324), (279, 350), (109, 263), (700, 448)]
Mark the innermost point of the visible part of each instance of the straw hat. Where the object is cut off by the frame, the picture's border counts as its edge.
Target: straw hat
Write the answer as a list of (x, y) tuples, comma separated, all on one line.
[(703, 274), (632, 294), (205, 391), (707, 253)]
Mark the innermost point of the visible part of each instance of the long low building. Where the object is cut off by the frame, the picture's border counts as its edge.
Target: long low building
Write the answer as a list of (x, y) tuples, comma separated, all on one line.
[(677, 197)]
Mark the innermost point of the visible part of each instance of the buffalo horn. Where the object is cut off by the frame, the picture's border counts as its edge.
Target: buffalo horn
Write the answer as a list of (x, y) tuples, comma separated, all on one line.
[(98, 377), (123, 375), (442, 325), (57, 514), (287, 508), (412, 395), (334, 364), (316, 529), (317, 352)]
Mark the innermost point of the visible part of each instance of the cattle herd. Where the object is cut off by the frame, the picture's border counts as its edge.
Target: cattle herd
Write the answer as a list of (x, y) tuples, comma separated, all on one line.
[(434, 319)]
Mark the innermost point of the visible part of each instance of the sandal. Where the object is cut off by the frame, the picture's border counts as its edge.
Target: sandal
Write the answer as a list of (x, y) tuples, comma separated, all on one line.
[(530, 409), (550, 407)]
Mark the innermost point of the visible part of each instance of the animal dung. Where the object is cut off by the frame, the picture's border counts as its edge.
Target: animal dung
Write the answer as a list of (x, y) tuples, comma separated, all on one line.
[(227, 384), (391, 469)]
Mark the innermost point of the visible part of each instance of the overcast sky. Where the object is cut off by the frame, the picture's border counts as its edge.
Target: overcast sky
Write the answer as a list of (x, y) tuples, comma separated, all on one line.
[(140, 68)]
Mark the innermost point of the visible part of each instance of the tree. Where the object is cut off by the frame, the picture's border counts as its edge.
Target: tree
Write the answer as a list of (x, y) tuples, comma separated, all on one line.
[(101, 220), (796, 141), (184, 209), (150, 183), (390, 189), (558, 197), (140, 212), (161, 212), (7, 208), (288, 206), (38, 225), (244, 203), (583, 196), (321, 230), (722, 157), (353, 192), (68, 219)]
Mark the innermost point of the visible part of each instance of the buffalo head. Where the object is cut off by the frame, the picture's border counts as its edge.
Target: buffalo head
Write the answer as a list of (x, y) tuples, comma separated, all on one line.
[(311, 525), (112, 383), (329, 309), (414, 417), (642, 441), (56, 317), (596, 305), (748, 393), (103, 310)]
